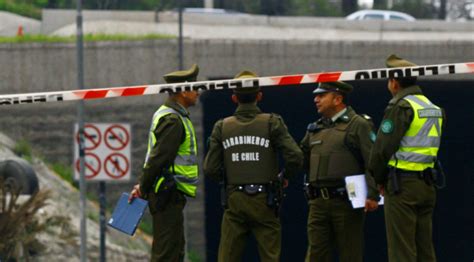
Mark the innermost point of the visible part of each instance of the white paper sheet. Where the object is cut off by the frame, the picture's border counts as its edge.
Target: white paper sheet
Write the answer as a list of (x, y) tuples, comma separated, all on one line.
[(357, 190)]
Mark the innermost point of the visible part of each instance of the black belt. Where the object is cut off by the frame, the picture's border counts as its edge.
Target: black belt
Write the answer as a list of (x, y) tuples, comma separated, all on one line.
[(252, 189), (327, 192), (408, 173)]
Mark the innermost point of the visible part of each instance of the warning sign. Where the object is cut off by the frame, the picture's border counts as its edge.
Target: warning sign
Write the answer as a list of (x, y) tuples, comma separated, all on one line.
[(107, 151), (92, 137), (116, 165), (116, 137), (92, 165)]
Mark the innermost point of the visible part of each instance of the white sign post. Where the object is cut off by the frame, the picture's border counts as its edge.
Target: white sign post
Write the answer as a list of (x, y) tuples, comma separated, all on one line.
[(106, 158), (107, 152)]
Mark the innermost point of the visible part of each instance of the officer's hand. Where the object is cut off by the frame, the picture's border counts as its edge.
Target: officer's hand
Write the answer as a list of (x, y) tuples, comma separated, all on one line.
[(371, 205), (285, 183), (135, 193), (381, 190)]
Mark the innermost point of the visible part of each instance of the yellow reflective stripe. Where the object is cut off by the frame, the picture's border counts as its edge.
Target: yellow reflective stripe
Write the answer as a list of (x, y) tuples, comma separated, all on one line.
[(158, 184), (410, 166), (189, 190)]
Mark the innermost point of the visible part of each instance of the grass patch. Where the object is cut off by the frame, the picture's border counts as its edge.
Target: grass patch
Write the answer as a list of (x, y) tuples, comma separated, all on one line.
[(21, 7), (193, 256), (94, 216), (87, 38), (146, 225), (23, 150), (65, 172)]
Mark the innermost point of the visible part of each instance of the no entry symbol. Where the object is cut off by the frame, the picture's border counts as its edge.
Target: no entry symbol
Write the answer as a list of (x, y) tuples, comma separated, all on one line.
[(92, 165), (92, 137), (116, 137), (116, 165)]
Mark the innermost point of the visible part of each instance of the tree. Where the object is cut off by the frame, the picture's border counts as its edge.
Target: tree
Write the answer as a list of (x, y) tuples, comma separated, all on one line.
[(460, 10), (349, 6), (442, 10)]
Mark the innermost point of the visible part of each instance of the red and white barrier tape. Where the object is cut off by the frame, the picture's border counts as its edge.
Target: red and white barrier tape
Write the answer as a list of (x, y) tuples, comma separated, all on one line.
[(86, 94)]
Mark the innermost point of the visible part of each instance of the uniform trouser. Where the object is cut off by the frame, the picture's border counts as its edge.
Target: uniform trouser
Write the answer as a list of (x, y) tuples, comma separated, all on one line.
[(334, 225), (408, 220), (249, 214), (168, 229)]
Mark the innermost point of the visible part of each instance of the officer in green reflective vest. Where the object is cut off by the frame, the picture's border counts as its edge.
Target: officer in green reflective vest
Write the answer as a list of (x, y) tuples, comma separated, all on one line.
[(246, 146), (403, 164), (334, 147), (170, 171)]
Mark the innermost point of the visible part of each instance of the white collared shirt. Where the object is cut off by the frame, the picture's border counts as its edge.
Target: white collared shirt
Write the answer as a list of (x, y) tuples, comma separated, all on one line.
[(339, 114)]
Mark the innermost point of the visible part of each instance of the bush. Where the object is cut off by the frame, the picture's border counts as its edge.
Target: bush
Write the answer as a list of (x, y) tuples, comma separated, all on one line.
[(20, 224)]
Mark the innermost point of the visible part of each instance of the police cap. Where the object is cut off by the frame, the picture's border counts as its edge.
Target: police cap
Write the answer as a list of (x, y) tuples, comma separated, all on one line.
[(246, 90), (189, 75), (338, 86), (395, 61)]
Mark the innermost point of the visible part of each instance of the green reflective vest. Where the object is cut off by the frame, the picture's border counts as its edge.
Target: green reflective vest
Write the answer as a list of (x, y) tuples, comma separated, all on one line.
[(185, 165), (419, 146)]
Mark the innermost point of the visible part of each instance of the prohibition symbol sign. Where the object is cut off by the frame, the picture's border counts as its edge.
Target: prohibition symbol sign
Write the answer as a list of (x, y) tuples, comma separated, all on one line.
[(92, 137), (92, 165), (116, 137), (116, 165)]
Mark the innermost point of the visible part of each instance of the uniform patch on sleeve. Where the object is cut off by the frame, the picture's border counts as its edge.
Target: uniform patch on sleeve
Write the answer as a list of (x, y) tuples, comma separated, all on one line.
[(387, 126), (372, 136)]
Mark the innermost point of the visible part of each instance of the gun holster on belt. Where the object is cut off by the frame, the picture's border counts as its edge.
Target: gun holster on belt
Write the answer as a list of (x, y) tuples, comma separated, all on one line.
[(166, 188), (439, 177), (395, 179), (275, 194)]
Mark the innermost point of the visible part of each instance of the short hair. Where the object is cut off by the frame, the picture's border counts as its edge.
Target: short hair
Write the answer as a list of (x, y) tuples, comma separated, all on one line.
[(247, 98), (406, 81), (345, 97)]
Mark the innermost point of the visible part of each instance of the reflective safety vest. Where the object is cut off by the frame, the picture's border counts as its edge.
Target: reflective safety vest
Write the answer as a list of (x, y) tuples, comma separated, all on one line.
[(419, 146), (185, 165)]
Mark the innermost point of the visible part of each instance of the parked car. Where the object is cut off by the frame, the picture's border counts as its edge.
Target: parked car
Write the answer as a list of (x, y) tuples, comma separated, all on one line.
[(372, 14)]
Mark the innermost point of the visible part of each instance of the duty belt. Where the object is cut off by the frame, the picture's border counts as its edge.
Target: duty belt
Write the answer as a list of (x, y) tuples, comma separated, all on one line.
[(327, 192), (252, 189), (419, 174), (428, 175)]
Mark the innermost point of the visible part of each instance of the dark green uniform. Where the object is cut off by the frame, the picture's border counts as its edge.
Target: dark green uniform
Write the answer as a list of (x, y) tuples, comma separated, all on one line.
[(408, 214), (333, 151), (247, 159), (168, 231)]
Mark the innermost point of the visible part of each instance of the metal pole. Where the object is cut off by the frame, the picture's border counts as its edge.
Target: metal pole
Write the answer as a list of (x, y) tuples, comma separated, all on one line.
[(208, 3), (80, 116), (102, 201), (180, 38), (181, 67)]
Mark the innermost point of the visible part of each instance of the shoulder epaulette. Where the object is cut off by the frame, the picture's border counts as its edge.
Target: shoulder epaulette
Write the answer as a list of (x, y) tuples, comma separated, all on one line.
[(312, 127), (366, 117)]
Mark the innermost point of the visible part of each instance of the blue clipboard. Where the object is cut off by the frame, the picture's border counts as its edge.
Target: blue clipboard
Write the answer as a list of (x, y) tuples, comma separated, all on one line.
[(127, 216)]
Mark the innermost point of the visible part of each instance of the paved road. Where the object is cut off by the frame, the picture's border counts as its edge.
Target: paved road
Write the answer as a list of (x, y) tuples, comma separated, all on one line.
[(202, 31)]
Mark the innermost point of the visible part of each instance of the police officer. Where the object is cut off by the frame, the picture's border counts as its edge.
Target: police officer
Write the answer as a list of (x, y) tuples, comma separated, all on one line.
[(402, 162), (335, 146), (170, 171), (246, 147)]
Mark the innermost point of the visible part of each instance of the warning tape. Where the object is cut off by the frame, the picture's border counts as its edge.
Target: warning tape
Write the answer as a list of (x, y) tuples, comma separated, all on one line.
[(87, 94)]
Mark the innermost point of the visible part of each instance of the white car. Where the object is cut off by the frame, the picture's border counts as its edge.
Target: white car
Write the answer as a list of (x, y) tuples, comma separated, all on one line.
[(385, 15)]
